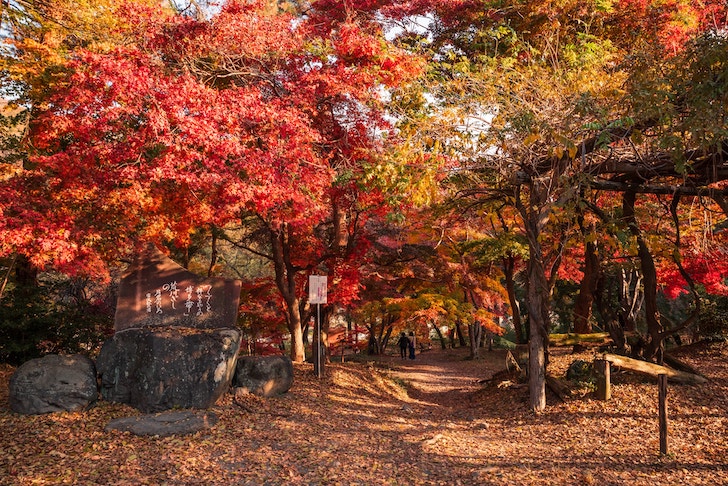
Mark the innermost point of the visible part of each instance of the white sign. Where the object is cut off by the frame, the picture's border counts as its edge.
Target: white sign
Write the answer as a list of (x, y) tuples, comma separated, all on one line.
[(317, 289)]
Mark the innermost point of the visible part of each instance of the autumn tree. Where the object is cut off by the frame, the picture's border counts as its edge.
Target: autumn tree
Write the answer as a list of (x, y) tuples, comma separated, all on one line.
[(255, 117), (546, 81), (512, 74), (35, 51), (422, 276)]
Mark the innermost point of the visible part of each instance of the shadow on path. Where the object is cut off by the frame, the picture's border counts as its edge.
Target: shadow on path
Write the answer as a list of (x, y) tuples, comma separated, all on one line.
[(445, 377)]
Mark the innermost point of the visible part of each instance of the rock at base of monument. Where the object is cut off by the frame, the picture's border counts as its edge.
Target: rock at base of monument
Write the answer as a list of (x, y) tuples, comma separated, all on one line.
[(164, 424), (266, 376), (157, 369), (53, 383)]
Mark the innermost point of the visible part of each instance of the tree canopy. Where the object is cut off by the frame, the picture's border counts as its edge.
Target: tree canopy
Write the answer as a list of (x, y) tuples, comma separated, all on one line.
[(432, 158)]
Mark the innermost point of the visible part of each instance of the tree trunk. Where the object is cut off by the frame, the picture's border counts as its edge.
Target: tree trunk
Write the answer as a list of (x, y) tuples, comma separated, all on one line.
[(538, 304), (379, 334), (459, 332), (298, 351), (213, 254), (536, 348), (535, 216), (475, 332), (440, 336), (631, 298), (285, 276), (385, 338), (306, 329), (509, 266), (585, 298), (649, 274), (372, 346)]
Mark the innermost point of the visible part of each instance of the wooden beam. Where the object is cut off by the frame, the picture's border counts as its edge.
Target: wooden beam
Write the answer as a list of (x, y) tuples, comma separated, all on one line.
[(605, 185), (571, 339), (652, 369)]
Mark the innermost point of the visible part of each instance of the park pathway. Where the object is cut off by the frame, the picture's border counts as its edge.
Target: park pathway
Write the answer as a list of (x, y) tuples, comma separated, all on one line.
[(446, 377)]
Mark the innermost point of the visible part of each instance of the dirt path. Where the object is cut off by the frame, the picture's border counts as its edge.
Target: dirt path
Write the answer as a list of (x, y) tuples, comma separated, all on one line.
[(365, 420), (445, 377)]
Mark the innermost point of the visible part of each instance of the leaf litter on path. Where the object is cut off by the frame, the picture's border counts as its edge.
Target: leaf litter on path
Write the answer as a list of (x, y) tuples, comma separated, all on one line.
[(390, 421)]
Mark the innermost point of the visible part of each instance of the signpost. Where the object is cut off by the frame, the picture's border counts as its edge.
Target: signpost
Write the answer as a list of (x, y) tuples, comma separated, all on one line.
[(317, 293), (662, 402)]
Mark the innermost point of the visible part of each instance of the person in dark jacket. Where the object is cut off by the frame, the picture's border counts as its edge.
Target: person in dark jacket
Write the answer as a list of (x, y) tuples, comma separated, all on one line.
[(403, 345)]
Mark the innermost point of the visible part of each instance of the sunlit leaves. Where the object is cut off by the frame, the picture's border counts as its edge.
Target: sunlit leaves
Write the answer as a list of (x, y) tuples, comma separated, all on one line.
[(187, 123), (673, 22)]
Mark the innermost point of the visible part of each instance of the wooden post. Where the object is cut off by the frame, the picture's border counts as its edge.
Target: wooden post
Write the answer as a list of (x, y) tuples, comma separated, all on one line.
[(662, 384), (317, 348), (604, 385), (343, 344)]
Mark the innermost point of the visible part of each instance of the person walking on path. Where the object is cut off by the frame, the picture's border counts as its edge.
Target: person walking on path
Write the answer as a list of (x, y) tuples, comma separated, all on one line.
[(412, 345), (403, 345)]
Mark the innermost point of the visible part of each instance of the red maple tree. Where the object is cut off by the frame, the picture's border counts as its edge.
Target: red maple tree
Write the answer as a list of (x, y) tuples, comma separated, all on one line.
[(254, 115)]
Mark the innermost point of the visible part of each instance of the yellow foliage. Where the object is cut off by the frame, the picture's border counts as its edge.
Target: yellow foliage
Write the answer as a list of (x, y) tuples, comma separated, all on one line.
[(44, 33), (531, 138)]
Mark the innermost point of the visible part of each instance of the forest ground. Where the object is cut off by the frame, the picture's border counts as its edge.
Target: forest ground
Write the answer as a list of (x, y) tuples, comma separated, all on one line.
[(391, 421)]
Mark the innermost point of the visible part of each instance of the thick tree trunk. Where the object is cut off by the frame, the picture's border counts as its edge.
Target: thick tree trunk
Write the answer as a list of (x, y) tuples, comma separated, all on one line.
[(535, 215), (538, 311), (585, 298), (536, 345), (649, 274), (285, 276), (298, 352), (459, 332)]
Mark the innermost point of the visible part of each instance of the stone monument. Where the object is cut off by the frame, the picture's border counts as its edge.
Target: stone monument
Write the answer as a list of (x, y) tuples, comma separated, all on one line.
[(158, 292), (176, 343)]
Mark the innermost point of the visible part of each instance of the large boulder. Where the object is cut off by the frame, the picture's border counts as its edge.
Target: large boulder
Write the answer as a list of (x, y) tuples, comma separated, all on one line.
[(53, 383), (266, 376), (156, 369)]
